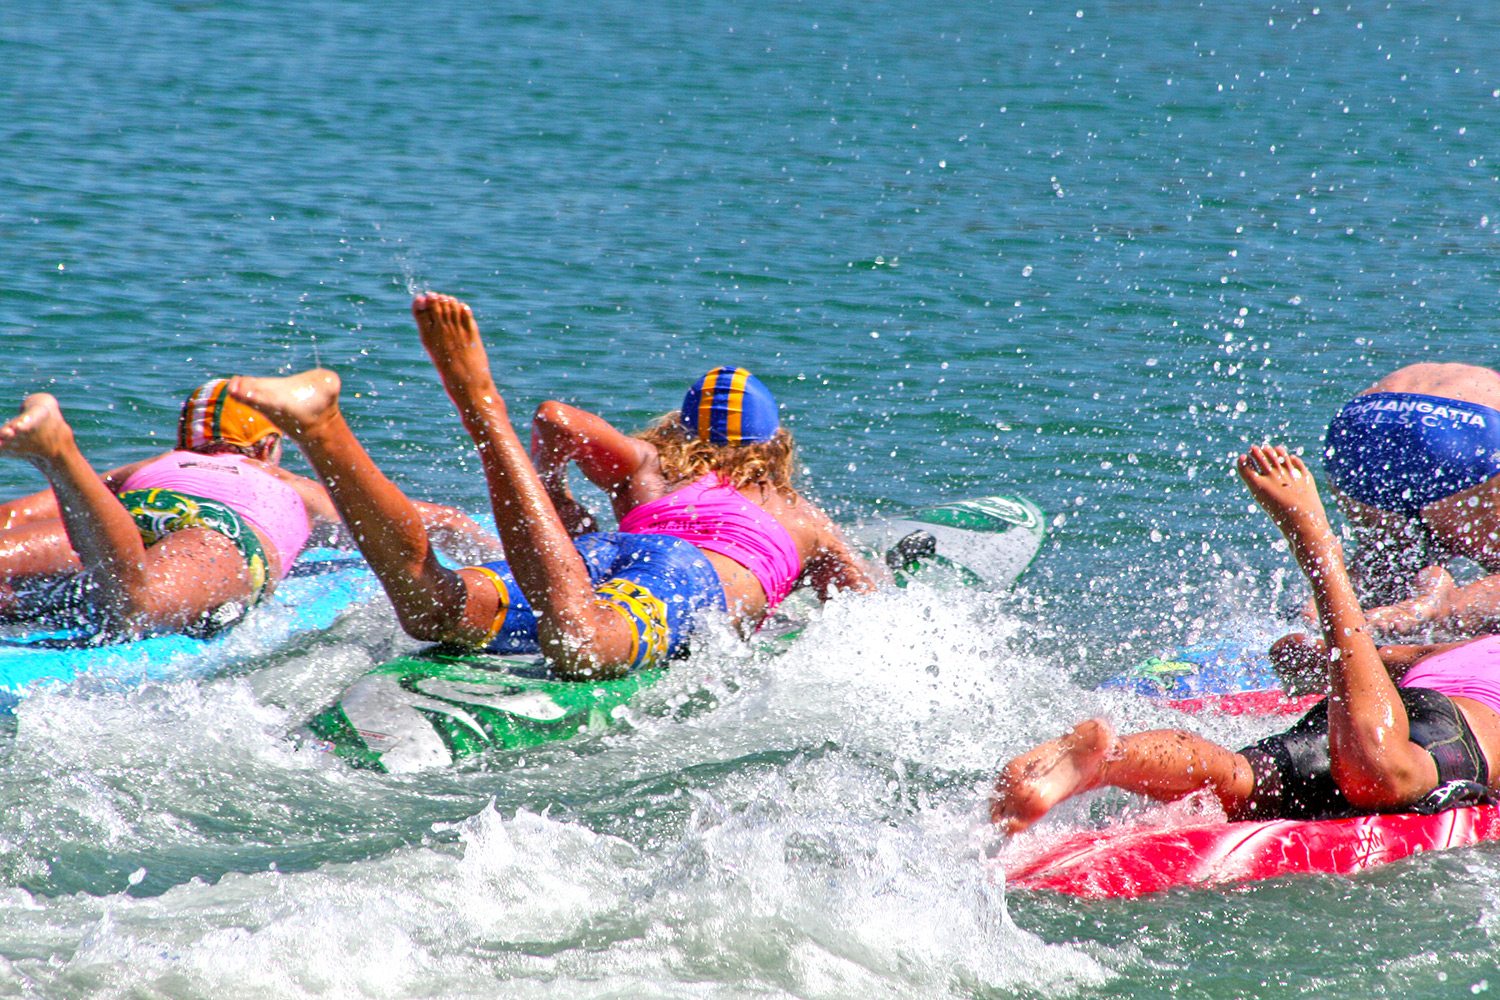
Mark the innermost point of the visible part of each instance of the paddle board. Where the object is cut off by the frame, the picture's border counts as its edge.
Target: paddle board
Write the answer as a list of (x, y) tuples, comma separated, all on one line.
[(1231, 676), (436, 707), (1131, 860), (320, 586)]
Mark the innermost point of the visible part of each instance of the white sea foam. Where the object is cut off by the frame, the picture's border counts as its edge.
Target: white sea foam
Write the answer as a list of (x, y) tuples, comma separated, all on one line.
[(803, 824)]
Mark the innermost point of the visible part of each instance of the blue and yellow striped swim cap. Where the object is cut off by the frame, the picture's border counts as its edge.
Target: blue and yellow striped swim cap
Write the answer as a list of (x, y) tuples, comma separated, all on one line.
[(730, 406)]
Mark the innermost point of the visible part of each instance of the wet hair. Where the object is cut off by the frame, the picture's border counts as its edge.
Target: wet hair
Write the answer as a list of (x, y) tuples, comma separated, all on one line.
[(221, 447), (767, 464)]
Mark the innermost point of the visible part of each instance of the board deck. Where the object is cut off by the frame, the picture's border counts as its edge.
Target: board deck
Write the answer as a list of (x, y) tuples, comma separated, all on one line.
[(430, 709), (1128, 861), (434, 708)]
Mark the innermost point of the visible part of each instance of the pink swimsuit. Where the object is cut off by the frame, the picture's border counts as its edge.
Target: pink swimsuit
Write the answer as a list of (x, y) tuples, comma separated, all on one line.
[(237, 482), (1468, 671), (712, 515)]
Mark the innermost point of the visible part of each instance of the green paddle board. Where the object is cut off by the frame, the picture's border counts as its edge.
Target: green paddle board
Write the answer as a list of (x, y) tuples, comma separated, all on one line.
[(436, 707)]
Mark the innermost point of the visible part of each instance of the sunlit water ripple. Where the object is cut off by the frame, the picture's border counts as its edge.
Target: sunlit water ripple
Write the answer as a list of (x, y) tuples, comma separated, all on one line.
[(1084, 253)]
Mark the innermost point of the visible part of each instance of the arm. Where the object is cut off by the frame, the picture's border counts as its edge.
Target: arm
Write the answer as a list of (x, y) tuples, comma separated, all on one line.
[(456, 533), (448, 528), (834, 565), (41, 506), (1434, 603), (609, 459), (1439, 604), (327, 527)]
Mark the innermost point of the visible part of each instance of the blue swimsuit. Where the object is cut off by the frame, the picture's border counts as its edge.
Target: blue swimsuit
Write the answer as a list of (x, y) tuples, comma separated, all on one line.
[(660, 585), (1400, 451)]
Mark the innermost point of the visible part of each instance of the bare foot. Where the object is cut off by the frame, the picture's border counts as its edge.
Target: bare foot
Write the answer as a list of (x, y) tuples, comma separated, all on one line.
[(1284, 488), (39, 432), (298, 404), (1036, 781), (451, 337), (1282, 485)]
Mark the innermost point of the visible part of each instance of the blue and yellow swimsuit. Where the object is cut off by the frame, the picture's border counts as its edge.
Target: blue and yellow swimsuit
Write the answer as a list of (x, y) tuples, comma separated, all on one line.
[(657, 583)]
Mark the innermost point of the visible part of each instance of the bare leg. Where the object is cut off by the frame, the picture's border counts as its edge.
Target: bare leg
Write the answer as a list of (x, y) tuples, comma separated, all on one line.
[(432, 602), (581, 636), (99, 528), (1374, 761), (170, 585), (34, 551), (40, 548), (1165, 764)]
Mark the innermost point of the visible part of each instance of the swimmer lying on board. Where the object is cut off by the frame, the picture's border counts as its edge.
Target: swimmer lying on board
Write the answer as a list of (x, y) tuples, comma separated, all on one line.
[(1374, 745), (709, 518), (184, 541), (1415, 465)]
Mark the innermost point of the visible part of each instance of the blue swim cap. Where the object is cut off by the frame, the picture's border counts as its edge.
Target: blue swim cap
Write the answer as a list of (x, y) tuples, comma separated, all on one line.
[(730, 406)]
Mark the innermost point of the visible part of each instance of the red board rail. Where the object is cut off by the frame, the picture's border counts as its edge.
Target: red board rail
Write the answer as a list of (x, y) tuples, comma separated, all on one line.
[(1127, 861), (1272, 701)]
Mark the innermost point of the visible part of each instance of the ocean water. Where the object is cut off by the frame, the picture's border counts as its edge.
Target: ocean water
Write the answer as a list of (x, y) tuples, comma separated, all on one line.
[(1083, 252)]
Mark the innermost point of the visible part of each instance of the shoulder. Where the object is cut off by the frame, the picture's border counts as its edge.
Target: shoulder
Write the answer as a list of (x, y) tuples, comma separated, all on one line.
[(802, 518), (115, 478), (277, 472)]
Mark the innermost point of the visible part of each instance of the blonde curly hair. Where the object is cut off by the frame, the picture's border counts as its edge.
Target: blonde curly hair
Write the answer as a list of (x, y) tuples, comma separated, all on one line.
[(767, 464)]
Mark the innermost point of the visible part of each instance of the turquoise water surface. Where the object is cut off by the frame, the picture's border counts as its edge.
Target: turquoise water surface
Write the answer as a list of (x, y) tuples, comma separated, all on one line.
[(1082, 252)]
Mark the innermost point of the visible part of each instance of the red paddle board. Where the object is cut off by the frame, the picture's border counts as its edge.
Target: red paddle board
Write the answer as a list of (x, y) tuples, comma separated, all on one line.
[(1273, 701), (1129, 860)]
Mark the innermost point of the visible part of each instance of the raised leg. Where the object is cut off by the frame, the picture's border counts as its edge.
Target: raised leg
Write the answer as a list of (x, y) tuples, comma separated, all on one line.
[(1165, 764), (170, 585), (1374, 761), (432, 602), (580, 635)]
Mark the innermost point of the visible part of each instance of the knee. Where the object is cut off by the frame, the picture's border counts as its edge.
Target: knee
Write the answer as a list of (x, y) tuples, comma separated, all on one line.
[(431, 620), (553, 428), (582, 651), (549, 414), (424, 625), (435, 604)]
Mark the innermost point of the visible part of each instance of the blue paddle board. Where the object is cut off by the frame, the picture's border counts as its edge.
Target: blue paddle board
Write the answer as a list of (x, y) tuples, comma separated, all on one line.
[(321, 586)]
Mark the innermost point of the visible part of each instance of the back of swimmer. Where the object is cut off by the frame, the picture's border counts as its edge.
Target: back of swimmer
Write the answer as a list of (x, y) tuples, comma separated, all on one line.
[(1415, 464), (268, 504), (602, 605), (152, 559)]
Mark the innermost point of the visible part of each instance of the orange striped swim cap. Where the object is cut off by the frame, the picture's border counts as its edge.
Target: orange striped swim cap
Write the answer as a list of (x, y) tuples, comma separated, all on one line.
[(210, 416)]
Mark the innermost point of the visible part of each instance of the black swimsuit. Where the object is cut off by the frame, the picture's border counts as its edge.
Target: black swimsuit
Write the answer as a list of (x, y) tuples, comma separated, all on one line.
[(1294, 771)]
